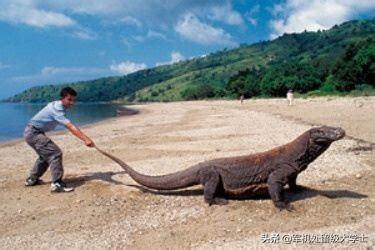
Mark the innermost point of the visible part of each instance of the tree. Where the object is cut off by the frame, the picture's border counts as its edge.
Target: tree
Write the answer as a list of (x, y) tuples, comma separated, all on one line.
[(280, 77), (245, 82), (356, 66)]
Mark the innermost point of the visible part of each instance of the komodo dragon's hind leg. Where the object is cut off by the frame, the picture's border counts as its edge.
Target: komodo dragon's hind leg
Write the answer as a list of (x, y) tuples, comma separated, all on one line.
[(211, 182), (292, 182)]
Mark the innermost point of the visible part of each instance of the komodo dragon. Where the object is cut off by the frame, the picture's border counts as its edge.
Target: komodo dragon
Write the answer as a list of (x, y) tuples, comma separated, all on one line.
[(247, 175)]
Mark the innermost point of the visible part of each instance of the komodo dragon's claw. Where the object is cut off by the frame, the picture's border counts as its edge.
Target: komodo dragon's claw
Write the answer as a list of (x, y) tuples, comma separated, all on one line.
[(218, 201), (284, 206)]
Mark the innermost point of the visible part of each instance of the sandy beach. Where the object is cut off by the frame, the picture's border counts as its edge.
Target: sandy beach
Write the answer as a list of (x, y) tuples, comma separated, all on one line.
[(108, 210)]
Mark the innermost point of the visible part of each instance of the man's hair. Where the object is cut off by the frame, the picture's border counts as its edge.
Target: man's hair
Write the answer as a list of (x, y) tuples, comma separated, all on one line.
[(67, 91)]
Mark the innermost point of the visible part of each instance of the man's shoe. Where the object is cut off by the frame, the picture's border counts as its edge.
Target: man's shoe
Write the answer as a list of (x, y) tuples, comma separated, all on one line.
[(31, 182), (60, 187)]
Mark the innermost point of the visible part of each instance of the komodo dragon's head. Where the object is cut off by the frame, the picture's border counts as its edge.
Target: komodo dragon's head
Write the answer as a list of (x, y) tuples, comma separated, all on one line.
[(326, 134)]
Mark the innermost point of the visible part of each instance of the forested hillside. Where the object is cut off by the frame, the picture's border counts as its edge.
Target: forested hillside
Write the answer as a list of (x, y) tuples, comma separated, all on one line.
[(337, 60)]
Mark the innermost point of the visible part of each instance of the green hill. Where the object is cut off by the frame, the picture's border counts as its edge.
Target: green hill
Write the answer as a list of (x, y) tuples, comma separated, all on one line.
[(339, 59)]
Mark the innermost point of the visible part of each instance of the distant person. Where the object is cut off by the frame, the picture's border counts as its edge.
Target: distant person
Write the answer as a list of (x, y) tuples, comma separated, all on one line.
[(289, 97), (242, 98), (50, 154)]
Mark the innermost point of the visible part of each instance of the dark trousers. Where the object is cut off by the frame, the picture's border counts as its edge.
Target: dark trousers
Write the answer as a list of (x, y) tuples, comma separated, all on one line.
[(49, 153)]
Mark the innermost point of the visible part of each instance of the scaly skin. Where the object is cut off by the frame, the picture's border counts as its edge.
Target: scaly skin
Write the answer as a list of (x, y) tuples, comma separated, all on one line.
[(247, 175)]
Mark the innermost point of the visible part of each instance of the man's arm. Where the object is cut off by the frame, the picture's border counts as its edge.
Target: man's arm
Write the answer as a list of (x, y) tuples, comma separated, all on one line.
[(77, 132)]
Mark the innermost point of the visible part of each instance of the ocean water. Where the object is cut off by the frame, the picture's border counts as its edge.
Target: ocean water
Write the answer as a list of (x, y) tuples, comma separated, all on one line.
[(14, 116)]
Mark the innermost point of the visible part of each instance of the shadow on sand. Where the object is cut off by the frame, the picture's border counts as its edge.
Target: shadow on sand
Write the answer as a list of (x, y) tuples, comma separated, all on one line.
[(76, 181), (304, 193)]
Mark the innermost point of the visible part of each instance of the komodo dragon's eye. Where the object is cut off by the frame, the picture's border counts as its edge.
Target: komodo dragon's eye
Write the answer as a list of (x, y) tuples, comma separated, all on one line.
[(320, 135)]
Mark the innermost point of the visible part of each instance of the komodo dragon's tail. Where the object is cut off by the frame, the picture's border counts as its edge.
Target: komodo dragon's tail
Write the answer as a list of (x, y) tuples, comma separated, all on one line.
[(181, 179)]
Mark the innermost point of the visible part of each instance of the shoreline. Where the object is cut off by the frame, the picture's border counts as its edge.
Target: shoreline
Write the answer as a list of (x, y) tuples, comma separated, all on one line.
[(13, 141), (255, 100)]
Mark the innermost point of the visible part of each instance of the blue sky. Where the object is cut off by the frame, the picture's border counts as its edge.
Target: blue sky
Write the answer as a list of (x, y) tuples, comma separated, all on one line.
[(50, 41)]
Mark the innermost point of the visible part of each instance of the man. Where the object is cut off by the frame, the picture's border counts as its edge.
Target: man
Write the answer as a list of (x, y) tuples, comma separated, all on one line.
[(289, 97), (50, 154), (242, 97)]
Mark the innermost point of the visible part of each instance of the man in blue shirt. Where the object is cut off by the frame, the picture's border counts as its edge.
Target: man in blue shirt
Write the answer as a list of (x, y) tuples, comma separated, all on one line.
[(50, 154)]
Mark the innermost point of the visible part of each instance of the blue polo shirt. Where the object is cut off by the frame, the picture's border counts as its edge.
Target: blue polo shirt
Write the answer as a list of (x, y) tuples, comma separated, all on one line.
[(50, 116)]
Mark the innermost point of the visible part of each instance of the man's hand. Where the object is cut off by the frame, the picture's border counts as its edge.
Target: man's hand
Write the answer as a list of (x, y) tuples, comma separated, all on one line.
[(89, 143), (77, 132)]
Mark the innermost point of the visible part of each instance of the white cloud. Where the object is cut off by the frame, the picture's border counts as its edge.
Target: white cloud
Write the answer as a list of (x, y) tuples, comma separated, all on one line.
[(136, 13), (91, 7), (191, 28), (127, 67), (277, 9), (253, 21), (126, 42), (155, 15), (139, 38), (129, 20), (199, 56), (55, 71), (30, 12), (175, 57), (250, 15), (25, 12), (154, 9), (52, 74), (50, 70), (226, 14), (159, 13), (300, 15), (155, 34), (150, 35), (4, 66), (84, 34)]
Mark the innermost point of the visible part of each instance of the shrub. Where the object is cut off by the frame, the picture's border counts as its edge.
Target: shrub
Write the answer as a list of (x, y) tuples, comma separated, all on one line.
[(196, 92)]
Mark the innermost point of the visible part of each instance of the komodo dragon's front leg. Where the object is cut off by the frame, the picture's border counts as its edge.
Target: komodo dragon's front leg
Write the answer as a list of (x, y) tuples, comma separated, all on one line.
[(211, 180), (276, 182)]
